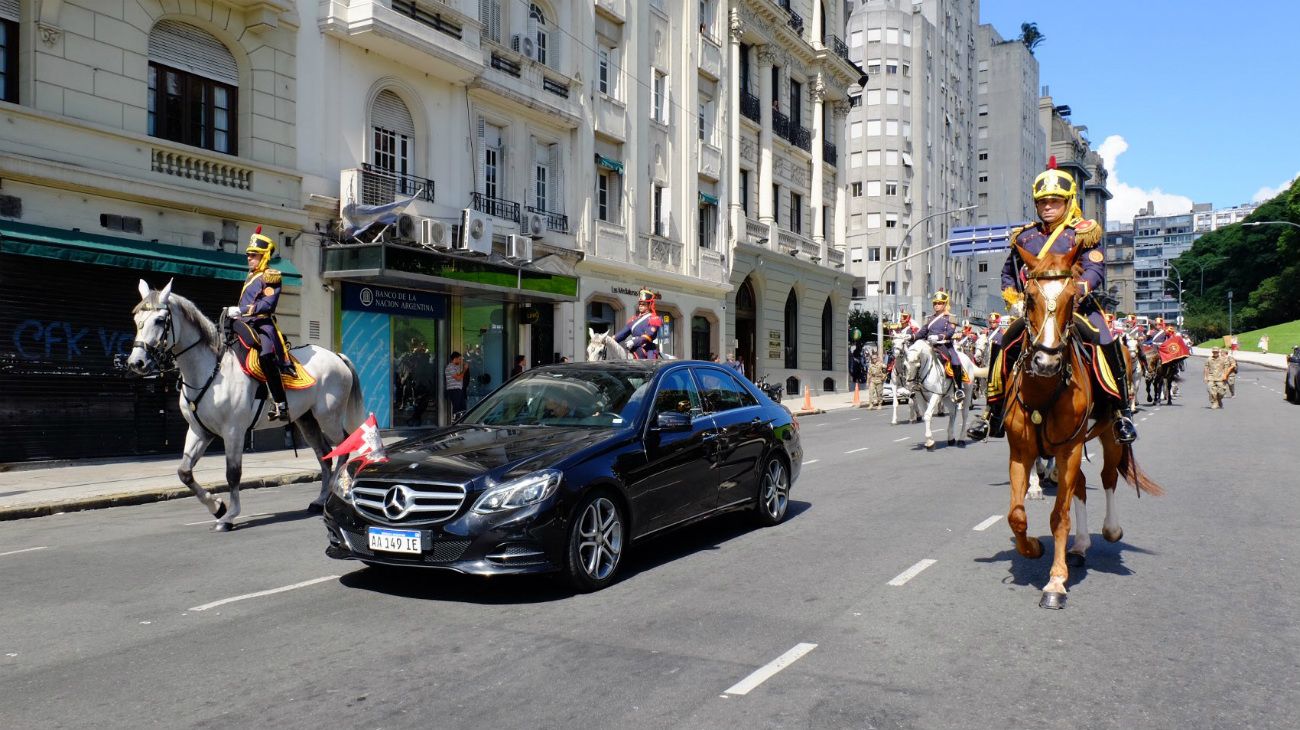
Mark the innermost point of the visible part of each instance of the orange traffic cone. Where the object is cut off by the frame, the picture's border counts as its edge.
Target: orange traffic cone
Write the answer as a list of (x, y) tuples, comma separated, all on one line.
[(807, 398), (857, 397)]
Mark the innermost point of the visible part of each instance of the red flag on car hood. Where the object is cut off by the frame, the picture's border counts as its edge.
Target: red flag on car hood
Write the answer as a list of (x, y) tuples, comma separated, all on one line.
[(363, 443), (1174, 348)]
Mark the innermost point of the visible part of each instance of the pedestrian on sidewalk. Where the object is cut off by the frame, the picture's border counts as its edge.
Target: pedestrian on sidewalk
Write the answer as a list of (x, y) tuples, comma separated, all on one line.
[(875, 383), (1263, 344), (1216, 378), (455, 384), (1232, 373)]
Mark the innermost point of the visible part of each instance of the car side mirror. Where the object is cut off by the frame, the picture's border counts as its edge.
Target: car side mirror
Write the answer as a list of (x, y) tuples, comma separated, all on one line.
[(671, 422)]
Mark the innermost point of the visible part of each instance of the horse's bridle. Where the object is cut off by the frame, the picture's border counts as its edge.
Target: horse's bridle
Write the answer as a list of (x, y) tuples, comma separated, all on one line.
[(1035, 341), (1063, 376), (164, 353)]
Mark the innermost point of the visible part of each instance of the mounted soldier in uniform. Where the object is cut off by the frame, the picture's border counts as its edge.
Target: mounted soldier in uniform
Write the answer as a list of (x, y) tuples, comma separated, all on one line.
[(939, 332), (253, 321), (1061, 229), (640, 337)]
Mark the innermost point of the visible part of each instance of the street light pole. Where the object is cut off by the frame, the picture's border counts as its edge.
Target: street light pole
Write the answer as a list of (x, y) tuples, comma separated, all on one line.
[(880, 294), (1229, 312), (1272, 223), (1179, 274), (907, 235)]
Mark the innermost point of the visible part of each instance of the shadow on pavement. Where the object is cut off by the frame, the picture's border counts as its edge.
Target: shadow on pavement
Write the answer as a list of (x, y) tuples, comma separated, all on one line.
[(1102, 557), (274, 519)]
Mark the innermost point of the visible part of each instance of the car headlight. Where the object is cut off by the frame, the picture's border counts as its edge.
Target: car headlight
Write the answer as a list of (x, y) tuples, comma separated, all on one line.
[(342, 483), (528, 489)]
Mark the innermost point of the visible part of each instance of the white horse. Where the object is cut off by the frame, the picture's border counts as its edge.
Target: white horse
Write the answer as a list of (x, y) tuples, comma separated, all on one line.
[(898, 377), (601, 346), (925, 372), (218, 399)]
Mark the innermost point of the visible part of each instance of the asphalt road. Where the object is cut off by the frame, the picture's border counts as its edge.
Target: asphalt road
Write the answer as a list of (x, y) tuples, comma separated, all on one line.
[(1188, 622)]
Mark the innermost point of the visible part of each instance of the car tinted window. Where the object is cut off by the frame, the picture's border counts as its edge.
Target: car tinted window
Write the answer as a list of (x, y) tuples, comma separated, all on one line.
[(722, 392), (567, 396), (677, 394)]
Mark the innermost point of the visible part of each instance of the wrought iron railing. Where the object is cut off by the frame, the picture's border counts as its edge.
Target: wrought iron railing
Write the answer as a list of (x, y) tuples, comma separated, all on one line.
[(840, 48), (501, 63), (795, 22), (555, 87), (780, 125), (414, 11), (829, 153), (801, 137), (381, 187), (497, 207), (749, 106), (557, 222)]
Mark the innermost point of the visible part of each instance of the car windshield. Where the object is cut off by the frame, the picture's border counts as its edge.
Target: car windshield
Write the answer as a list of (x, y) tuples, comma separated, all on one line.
[(565, 396)]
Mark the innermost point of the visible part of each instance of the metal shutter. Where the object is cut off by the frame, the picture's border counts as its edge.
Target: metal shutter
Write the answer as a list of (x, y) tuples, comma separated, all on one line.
[(9, 10), (189, 48), (390, 112)]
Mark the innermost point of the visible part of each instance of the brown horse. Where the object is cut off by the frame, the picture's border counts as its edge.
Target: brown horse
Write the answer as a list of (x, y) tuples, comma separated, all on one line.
[(1051, 411)]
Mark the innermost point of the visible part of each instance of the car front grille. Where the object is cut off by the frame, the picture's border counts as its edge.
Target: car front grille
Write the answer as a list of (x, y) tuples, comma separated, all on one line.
[(438, 551), (407, 502)]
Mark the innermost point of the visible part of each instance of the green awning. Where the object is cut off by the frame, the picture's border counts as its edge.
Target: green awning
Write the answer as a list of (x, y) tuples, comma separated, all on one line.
[(25, 239), (706, 199), (609, 163)]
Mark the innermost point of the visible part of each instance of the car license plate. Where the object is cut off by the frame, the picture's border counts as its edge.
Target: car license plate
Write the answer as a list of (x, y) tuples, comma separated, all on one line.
[(394, 541)]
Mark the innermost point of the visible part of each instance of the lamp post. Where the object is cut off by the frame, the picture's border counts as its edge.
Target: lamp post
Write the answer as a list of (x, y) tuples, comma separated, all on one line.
[(1180, 287), (1229, 312), (880, 295), (903, 244), (1272, 223), (1201, 264)]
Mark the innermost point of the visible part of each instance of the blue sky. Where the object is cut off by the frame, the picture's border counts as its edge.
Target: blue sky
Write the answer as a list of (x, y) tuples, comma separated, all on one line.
[(1187, 99)]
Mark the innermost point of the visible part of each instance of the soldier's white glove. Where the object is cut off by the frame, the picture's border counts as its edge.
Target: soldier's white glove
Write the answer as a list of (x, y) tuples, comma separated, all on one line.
[(934, 339), (232, 313)]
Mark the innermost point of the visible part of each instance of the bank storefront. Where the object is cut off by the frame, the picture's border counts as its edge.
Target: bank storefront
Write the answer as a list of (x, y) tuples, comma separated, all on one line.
[(692, 309), (66, 328), (400, 311)]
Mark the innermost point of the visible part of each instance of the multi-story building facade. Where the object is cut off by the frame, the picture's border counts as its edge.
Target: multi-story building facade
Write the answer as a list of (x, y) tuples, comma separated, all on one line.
[(1012, 147), (1158, 240), (1121, 281), (912, 139), (1207, 218), (1069, 144), (141, 140), (786, 101)]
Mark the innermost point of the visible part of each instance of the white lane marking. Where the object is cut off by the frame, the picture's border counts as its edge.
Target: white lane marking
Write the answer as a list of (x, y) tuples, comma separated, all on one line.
[(855, 419), (811, 461), (211, 520), (911, 572), (1144, 418), (986, 524), (821, 424), (854, 451), (765, 672), (902, 439), (25, 550), (259, 594)]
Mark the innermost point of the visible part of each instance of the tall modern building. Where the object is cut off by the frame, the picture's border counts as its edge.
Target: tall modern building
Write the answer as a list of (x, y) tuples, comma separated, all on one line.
[(912, 140), (786, 91), (1011, 146), (1158, 240), (1121, 281), (1069, 144), (1207, 218)]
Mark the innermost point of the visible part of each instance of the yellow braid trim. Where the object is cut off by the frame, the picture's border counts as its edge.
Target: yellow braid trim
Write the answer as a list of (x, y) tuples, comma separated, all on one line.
[(271, 277)]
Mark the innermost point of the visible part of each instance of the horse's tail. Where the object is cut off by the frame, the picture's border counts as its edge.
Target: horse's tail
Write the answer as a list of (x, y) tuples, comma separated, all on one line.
[(354, 411), (1133, 474)]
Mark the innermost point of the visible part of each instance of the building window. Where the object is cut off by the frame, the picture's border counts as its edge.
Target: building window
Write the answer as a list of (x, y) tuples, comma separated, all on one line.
[(873, 220), (984, 267), (828, 335), (744, 191), (541, 179), (796, 213), (490, 17), (191, 109), (891, 189), (984, 156), (891, 253), (776, 203), (9, 61), (873, 253), (796, 103), (602, 194), (538, 17), (984, 178), (792, 331), (855, 255), (490, 138), (392, 132), (708, 225), (890, 288), (873, 188), (855, 189), (891, 220), (658, 107), (659, 210), (604, 70)]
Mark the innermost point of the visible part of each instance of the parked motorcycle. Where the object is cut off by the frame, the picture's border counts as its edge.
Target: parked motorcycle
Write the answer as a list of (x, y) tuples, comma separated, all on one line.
[(773, 390)]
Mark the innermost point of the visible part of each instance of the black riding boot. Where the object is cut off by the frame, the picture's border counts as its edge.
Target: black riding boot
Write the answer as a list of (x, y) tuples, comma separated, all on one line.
[(1125, 431), (991, 423), (271, 369), (957, 393)]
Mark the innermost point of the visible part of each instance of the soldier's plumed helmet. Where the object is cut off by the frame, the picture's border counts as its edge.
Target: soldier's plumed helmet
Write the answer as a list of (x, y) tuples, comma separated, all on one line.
[(1054, 183), (645, 295), (940, 297), (259, 244)]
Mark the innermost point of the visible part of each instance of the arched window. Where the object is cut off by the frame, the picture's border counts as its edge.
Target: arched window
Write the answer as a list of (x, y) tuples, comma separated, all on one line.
[(792, 330), (392, 134), (193, 87), (828, 336), (537, 19)]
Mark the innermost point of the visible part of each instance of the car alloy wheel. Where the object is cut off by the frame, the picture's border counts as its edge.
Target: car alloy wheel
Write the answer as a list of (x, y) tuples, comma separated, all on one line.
[(595, 543), (773, 492)]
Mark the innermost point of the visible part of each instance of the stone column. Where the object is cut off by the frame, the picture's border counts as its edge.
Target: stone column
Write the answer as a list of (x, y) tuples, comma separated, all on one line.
[(839, 236), (818, 166), (766, 95), (732, 85)]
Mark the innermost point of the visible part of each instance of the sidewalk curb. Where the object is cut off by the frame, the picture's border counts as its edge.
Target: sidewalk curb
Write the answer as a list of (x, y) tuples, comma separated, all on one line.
[(155, 494)]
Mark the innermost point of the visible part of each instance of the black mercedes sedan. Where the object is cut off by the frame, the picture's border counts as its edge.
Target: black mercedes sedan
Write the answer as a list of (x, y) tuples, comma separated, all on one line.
[(564, 467)]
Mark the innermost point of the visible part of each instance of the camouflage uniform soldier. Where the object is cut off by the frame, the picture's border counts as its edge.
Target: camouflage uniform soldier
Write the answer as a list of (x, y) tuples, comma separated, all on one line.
[(1216, 378), (1232, 372), (875, 383)]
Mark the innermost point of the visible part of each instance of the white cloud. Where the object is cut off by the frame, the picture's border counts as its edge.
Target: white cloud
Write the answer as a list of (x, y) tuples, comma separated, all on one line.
[(1265, 193), (1128, 199)]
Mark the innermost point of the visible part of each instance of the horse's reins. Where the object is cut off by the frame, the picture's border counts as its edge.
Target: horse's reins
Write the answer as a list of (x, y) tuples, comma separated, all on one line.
[(165, 354)]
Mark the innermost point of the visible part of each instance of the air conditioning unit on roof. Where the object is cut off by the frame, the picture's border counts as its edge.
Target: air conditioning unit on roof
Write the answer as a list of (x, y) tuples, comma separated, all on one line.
[(475, 232), (520, 248), (525, 44), (435, 233), (532, 225)]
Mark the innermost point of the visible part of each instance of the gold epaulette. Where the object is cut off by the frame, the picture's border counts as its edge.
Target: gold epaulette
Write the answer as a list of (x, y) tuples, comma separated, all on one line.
[(271, 277), (1087, 233)]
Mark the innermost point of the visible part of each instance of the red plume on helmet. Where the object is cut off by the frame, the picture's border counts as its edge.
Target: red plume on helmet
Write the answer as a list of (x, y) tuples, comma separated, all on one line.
[(1051, 162), (648, 296)]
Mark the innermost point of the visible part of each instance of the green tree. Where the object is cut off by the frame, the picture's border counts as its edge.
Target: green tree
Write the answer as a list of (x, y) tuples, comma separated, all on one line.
[(1030, 36), (862, 322)]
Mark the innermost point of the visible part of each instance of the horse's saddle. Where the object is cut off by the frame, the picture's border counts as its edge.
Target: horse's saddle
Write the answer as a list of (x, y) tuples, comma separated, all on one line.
[(947, 364), (1099, 369), (298, 379)]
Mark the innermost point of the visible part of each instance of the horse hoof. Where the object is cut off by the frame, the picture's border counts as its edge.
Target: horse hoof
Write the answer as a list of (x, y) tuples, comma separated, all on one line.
[(315, 509), (1075, 560), (1115, 536), (929, 446), (223, 527), (1055, 601), (961, 443), (221, 510)]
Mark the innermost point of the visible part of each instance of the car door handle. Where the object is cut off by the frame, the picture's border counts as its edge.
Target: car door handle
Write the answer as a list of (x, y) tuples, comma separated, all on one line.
[(710, 436)]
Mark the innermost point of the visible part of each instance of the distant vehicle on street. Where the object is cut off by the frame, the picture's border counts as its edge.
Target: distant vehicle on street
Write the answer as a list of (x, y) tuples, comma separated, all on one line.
[(564, 467), (903, 395)]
